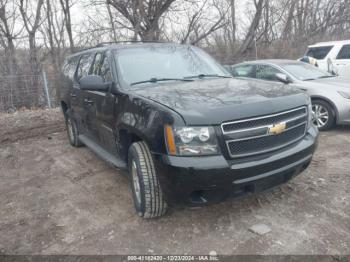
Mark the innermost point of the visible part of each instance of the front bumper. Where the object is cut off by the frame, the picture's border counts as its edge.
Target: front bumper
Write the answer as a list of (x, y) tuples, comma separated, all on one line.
[(203, 180)]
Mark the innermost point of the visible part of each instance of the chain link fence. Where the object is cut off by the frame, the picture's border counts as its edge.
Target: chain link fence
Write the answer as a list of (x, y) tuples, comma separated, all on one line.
[(27, 91)]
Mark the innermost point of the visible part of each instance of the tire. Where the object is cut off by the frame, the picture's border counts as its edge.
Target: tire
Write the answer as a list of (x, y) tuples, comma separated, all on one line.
[(323, 113), (72, 131), (146, 191)]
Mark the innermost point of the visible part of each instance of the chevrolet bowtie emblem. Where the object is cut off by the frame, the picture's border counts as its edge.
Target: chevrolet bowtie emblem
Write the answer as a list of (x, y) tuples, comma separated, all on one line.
[(277, 129)]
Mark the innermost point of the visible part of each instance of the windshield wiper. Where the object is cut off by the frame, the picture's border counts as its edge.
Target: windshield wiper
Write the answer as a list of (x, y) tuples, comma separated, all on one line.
[(155, 80), (206, 75)]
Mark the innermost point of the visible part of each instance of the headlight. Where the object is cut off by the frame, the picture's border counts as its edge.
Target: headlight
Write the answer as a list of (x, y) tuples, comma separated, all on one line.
[(344, 94), (191, 141)]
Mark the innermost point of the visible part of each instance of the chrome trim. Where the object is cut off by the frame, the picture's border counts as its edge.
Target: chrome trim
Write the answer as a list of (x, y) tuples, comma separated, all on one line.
[(267, 126), (270, 149), (262, 117), (267, 134)]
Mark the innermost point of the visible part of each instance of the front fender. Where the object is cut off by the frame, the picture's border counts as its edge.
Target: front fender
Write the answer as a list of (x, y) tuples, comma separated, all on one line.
[(145, 119)]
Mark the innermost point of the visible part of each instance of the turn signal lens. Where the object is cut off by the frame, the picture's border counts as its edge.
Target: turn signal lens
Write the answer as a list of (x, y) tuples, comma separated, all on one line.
[(170, 140)]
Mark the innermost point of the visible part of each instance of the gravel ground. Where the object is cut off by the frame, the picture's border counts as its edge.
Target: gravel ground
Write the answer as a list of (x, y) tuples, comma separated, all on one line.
[(56, 199)]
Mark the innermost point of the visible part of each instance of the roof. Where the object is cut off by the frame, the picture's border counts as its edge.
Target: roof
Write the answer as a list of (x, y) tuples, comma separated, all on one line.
[(342, 42), (272, 61)]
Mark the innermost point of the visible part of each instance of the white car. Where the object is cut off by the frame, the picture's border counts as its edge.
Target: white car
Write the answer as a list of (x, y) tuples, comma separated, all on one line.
[(333, 57)]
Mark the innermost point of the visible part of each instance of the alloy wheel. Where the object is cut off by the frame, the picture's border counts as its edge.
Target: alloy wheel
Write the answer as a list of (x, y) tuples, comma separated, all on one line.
[(320, 115)]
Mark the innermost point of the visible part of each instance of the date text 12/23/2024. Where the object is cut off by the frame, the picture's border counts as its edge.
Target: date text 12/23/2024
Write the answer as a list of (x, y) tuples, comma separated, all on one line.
[(173, 258)]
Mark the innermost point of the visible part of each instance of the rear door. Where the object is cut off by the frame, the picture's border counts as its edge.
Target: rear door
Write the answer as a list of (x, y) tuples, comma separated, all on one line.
[(81, 108), (342, 62)]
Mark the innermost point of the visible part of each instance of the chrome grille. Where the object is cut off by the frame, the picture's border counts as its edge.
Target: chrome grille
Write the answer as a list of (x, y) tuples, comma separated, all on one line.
[(251, 136)]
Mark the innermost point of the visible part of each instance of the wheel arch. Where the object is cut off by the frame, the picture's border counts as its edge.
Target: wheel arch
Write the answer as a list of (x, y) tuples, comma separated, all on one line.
[(65, 108), (330, 102), (125, 138)]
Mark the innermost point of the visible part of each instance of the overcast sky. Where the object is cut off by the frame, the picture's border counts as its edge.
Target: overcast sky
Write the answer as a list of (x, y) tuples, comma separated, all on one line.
[(82, 10)]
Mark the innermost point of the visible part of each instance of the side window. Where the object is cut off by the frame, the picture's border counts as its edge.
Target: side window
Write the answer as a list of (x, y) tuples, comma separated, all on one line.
[(70, 67), (105, 71), (84, 66), (266, 72), (95, 69), (243, 71), (344, 53), (319, 52)]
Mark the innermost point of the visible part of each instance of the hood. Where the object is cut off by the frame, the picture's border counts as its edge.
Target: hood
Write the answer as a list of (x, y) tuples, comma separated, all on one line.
[(213, 101), (332, 82)]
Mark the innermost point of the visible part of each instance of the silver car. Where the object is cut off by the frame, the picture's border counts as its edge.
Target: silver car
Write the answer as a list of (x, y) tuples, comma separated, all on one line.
[(330, 94)]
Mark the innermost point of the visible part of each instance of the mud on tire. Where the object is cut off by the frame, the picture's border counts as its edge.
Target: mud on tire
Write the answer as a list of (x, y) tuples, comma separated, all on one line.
[(72, 131)]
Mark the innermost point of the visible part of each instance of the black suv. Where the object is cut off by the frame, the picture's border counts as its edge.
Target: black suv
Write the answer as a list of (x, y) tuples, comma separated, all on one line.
[(183, 128)]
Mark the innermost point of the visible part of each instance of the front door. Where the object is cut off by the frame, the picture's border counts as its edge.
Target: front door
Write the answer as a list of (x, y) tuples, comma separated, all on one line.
[(100, 119)]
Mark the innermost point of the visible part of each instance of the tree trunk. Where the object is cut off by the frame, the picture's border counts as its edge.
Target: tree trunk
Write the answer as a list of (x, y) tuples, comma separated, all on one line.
[(233, 20), (250, 37)]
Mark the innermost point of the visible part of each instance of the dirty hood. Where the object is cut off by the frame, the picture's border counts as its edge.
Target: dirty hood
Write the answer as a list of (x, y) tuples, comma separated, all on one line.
[(213, 101)]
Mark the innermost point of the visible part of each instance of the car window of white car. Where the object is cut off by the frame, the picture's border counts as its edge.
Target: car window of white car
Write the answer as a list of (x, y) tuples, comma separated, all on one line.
[(319, 52), (266, 72), (344, 52)]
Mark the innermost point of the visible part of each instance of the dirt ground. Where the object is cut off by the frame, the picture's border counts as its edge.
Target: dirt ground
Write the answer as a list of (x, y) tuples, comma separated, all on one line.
[(56, 199)]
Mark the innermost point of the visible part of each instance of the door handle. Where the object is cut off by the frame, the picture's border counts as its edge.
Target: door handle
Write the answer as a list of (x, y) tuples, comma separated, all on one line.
[(88, 101), (73, 95)]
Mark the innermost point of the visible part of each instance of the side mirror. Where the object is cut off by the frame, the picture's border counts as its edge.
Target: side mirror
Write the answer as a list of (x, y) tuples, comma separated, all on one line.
[(94, 83), (283, 78)]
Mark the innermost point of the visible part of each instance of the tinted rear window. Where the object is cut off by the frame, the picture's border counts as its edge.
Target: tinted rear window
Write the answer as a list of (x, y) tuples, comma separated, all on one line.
[(319, 52), (344, 52)]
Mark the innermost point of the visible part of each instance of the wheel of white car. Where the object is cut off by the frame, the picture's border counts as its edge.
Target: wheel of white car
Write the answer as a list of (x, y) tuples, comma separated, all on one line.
[(72, 131), (323, 115), (146, 190)]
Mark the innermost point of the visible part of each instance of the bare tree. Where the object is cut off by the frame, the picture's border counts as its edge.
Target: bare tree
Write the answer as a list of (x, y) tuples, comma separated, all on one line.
[(32, 26), (251, 34), (143, 16), (66, 5), (233, 19), (8, 33), (53, 30), (110, 16)]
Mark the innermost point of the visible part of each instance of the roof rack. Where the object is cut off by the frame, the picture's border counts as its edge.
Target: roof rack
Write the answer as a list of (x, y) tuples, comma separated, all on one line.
[(102, 44), (128, 41)]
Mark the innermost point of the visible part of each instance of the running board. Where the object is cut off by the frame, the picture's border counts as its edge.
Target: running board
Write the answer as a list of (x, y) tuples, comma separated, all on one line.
[(102, 153)]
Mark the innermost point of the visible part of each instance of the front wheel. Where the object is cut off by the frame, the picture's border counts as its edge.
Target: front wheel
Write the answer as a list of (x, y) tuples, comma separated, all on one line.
[(323, 115), (146, 190)]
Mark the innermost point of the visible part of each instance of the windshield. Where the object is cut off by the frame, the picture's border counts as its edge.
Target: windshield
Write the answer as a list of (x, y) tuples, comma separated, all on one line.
[(319, 52), (303, 71), (166, 63)]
